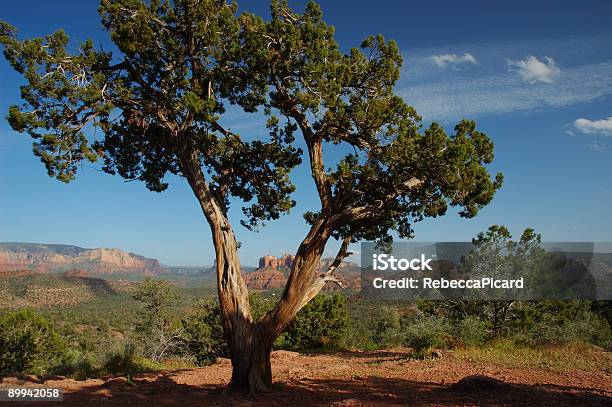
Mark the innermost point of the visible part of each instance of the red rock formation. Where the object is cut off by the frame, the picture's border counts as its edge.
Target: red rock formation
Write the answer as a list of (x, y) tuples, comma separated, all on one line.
[(275, 263), (48, 258), (265, 279)]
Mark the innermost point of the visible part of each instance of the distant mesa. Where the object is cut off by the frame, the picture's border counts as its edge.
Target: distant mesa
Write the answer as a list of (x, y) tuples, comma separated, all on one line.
[(265, 279), (273, 271), (19, 259), (46, 258), (275, 263)]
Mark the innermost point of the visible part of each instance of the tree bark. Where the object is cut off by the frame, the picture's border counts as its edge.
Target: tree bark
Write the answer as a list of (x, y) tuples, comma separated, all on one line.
[(250, 356), (302, 284), (251, 343)]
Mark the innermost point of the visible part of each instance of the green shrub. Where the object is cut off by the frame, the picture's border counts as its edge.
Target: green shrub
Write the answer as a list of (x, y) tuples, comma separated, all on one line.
[(79, 365), (425, 334), (260, 304), (120, 359), (587, 327), (202, 334), (29, 344), (592, 328), (321, 324), (387, 327), (472, 331)]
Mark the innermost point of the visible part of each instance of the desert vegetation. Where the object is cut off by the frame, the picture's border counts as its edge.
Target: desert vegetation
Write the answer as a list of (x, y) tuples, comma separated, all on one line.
[(152, 330)]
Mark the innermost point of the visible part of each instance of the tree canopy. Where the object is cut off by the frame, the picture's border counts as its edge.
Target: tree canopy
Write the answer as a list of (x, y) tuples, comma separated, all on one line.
[(180, 63), (154, 107)]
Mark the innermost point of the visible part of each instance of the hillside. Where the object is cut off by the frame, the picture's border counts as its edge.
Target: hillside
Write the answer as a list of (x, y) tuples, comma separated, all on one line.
[(33, 290), (44, 258)]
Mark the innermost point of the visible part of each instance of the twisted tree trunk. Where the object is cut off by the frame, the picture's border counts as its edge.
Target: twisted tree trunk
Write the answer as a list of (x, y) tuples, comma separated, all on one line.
[(251, 342)]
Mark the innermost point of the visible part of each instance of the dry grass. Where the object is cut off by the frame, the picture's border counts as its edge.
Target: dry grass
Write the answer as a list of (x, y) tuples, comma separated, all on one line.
[(559, 358)]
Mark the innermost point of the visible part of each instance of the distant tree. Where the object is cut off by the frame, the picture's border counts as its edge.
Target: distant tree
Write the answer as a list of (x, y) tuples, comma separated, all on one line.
[(157, 105), (157, 325), (202, 334), (497, 255)]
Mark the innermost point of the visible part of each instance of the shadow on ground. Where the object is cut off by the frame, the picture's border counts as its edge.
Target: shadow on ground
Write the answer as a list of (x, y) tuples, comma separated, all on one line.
[(366, 391)]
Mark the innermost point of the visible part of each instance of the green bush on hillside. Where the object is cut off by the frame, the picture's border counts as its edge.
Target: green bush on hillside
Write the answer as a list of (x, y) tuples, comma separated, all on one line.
[(29, 344), (471, 331), (425, 334), (321, 324), (202, 334)]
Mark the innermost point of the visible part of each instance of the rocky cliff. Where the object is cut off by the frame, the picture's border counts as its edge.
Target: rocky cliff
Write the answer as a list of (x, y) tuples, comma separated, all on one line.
[(54, 258), (276, 263)]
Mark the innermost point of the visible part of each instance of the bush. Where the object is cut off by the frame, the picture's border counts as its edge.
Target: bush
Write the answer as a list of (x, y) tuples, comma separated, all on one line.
[(387, 327), (587, 328), (425, 334), (29, 344), (123, 359), (202, 334), (472, 331), (79, 365), (158, 329), (321, 324), (120, 359)]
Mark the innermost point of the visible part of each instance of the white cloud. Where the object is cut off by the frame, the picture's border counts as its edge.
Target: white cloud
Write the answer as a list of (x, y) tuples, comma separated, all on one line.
[(447, 59), (532, 70), (449, 98), (603, 126)]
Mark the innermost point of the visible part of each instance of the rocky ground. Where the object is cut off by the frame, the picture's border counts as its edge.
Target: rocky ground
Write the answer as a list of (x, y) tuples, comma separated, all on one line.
[(381, 378)]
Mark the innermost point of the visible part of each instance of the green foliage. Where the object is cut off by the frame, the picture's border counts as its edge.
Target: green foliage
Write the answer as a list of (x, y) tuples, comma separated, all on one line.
[(80, 365), (425, 334), (181, 62), (158, 328), (157, 298), (321, 324), (471, 331), (261, 304), (387, 327), (559, 322), (123, 359), (202, 336), (396, 174), (29, 344)]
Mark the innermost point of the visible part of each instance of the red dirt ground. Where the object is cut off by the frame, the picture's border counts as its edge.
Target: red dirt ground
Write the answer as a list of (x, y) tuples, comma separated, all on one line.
[(381, 378)]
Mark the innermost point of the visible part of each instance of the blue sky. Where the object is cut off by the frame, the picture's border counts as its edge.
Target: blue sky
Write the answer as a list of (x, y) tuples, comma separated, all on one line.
[(536, 77)]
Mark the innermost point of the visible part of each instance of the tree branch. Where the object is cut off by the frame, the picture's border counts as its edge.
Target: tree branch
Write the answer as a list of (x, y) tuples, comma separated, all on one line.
[(314, 142), (343, 253), (356, 214)]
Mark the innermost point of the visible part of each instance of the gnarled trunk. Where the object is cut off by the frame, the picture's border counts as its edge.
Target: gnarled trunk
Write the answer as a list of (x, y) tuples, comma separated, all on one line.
[(251, 367), (251, 343)]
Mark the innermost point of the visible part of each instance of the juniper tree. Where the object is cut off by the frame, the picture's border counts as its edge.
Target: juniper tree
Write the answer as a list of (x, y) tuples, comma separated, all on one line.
[(157, 103)]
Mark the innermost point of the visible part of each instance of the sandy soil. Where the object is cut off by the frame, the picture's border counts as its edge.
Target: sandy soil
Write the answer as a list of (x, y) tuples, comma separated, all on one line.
[(382, 378)]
